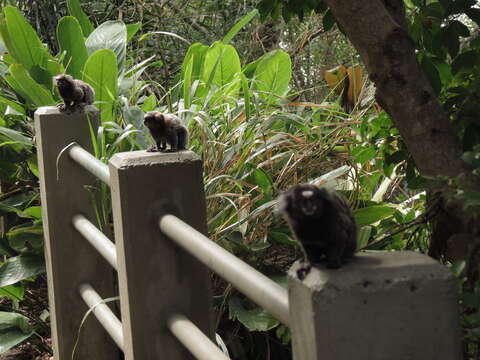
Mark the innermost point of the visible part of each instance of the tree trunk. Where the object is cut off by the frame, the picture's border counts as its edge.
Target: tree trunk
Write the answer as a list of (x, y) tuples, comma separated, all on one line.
[(377, 29)]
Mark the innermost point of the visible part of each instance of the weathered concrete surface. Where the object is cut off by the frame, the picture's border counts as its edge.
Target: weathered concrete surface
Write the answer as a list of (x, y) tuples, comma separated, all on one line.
[(381, 306), (156, 277), (70, 259)]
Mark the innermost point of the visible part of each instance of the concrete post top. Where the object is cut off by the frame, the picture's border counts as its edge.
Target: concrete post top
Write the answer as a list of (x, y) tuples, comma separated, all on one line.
[(53, 110), (143, 157), (383, 268)]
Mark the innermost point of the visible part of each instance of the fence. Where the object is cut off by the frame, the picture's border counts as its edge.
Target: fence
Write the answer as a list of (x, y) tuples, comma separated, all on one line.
[(398, 305)]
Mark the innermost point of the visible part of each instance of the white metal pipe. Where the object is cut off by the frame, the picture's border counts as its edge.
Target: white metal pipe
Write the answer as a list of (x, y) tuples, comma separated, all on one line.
[(90, 163), (96, 238), (259, 288), (102, 312), (199, 345)]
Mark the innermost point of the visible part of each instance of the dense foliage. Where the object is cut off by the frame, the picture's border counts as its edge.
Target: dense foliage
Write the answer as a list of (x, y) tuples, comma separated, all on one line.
[(251, 90)]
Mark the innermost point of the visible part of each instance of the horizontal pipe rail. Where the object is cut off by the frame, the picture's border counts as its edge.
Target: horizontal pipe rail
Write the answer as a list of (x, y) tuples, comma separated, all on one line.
[(90, 163), (102, 312), (96, 238), (199, 345), (259, 288)]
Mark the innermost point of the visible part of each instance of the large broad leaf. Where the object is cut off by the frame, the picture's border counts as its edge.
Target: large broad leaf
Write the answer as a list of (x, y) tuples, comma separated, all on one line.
[(20, 268), (254, 320), (221, 67), (372, 214), (239, 25), (110, 35), (27, 46), (29, 88), (14, 328), (101, 72), (273, 75), (15, 136), (70, 39), (75, 10), (196, 52), (26, 237), (187, 84), (7, 41)]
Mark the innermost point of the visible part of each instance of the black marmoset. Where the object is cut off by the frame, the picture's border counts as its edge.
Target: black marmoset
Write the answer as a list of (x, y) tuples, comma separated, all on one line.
[(76, 94), (166, 128), (323, 223)]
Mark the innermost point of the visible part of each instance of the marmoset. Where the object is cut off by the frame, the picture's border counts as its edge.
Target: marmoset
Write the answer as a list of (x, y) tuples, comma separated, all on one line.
[(322, 222), (76, 94), (166, 128)]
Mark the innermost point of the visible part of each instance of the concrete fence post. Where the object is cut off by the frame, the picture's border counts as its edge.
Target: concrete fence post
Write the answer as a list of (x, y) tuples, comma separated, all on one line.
[(70, 260), (382, 306), (156, 278)]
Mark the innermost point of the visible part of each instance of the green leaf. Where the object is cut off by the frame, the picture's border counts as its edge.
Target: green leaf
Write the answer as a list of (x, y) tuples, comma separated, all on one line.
[(434, 10), (261, 178), (246, 96), (254, 320), (249, 69), (28, 48), (75, 10), (101, 72), (196, 52), (187, 84), (365, 154), (445, 71), (33, 212), (281, 238), (372, 214), (364, 236), (239, 25), (132, 29), (450, 39), (15, 106), (221, 65), (34, 92), (273, 75), (465, 61), (431, 71), (15, 292), (149, 104), (15, 136), (11, 338), (110, 35), (10, 320), (70, 39), (26, 236), (19, 268), (33, 165), (328, 20), (14, 329), (7, 42)]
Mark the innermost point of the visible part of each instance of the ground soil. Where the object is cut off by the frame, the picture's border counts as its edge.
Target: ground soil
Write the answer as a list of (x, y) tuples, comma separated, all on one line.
[(32, 306)]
